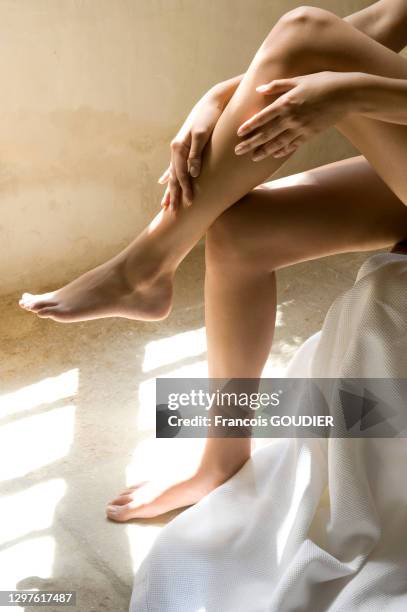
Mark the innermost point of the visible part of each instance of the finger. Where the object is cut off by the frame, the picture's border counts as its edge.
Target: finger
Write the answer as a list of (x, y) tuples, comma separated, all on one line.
[(179, 162), (199, 140), (273, 145), (260, 137), (289, 149), (165, 202), (183, 180), (282, 148), (264, 116), (277, 86), (164, 178), (175, 194)]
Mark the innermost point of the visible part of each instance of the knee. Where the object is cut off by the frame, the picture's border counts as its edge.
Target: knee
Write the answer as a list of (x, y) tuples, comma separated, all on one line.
[(224, 244), (306, 17), (302, 35)]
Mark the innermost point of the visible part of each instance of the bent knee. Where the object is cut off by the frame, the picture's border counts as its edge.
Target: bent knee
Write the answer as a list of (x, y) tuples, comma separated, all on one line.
[(300, 35), (307, 17), (225, 243)]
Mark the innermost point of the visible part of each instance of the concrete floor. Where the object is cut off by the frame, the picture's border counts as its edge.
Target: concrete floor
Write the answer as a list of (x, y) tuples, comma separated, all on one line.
[(77, 420)]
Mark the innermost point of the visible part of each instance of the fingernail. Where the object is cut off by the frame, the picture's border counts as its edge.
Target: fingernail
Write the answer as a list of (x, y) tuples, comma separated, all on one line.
[(239, 150), (258, 157), (194, 171), (241, 131), (262, 88)]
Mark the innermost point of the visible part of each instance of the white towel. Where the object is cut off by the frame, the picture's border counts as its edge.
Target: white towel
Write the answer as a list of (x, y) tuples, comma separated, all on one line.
[(307, 524)]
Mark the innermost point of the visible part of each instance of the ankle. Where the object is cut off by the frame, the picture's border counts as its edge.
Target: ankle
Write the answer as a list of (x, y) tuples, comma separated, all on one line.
[(143, 270), (217, 474)]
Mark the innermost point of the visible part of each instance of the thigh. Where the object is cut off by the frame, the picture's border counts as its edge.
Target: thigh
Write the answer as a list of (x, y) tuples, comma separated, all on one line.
[(337, 46), (337, 208), (383, 144)]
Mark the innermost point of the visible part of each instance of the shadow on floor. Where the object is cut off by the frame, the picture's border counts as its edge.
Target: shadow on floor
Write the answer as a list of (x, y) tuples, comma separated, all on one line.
[(75, 404)]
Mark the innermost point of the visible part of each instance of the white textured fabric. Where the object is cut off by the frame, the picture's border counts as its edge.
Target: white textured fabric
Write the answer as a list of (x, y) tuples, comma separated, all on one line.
[(307, 524)]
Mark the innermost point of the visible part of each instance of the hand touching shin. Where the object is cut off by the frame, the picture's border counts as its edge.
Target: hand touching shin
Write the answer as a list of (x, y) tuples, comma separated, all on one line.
[(186, 151)]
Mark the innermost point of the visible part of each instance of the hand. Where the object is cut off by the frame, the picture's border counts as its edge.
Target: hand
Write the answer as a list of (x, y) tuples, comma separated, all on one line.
[(305, 106), (186, 151)]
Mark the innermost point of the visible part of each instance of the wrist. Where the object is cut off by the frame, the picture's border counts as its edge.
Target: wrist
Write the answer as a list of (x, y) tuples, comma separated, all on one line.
[(355, 91), (365, 92)]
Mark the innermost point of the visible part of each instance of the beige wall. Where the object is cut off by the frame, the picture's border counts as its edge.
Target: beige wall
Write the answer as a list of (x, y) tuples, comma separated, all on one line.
[(92, 91)]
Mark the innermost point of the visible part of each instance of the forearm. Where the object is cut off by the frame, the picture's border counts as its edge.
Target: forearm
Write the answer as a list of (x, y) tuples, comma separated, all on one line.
[(379, 97), (384, 21)]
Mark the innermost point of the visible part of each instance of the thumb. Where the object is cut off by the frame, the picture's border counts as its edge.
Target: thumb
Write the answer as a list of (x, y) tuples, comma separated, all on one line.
[(164, 178)]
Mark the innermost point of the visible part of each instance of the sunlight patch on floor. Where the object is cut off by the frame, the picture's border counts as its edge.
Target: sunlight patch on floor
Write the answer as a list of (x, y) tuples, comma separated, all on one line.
[(164, 459), (30, 510), (171, 350), (35, 441), (45, 391), (280, 312), (141, 539), (32, 558)]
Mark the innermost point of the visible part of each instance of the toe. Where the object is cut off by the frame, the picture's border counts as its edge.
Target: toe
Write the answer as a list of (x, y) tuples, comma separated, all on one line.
[(25, 300), (37, 306), (47, 313), (122, 513), (133, 488), (121, 500), (32, 301)]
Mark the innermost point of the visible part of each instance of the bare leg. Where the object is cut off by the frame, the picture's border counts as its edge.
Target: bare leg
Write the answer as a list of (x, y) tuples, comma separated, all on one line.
[(306, 40), (337, 208), (137, 283)]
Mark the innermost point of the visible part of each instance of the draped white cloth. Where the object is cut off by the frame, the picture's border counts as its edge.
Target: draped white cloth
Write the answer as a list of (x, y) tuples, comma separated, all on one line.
[(307, 524)]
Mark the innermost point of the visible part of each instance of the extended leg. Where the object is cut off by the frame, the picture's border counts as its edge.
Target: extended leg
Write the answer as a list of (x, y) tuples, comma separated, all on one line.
[(337, 208), (137, 283)]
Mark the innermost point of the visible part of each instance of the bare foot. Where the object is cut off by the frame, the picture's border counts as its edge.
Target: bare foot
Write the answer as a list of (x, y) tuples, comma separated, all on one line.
[(147, 500), (110, 290)]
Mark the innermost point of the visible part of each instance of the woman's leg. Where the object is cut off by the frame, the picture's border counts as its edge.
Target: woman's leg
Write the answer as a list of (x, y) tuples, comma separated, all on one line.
[(338, 208), (137, 283)]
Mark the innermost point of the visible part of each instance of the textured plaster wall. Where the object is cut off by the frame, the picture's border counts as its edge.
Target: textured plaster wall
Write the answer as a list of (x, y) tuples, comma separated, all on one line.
[(92, 91)]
